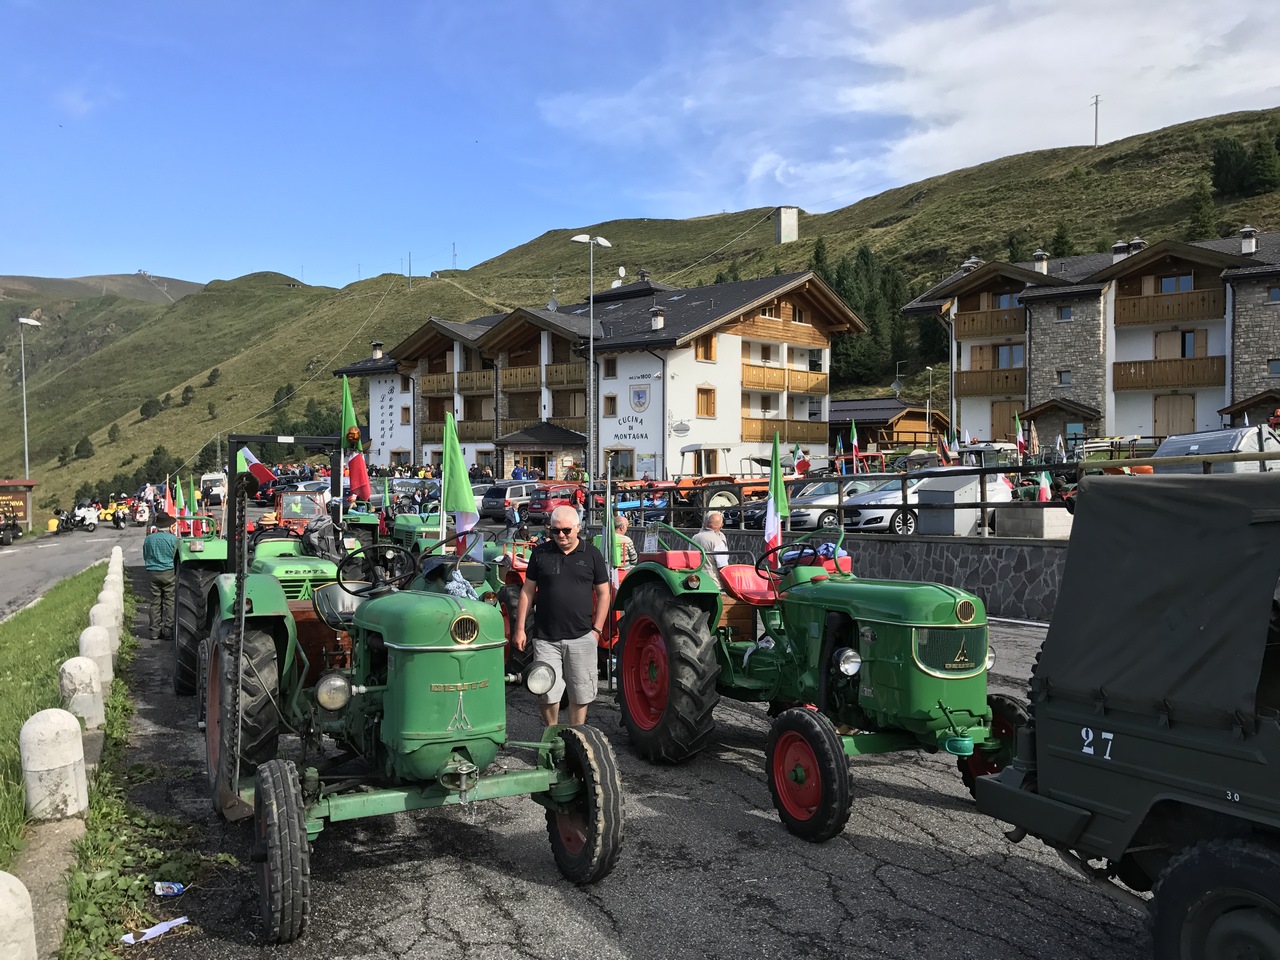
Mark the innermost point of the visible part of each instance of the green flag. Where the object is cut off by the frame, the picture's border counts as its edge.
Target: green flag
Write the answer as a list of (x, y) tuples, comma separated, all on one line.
[(179, 501), (455, 490)]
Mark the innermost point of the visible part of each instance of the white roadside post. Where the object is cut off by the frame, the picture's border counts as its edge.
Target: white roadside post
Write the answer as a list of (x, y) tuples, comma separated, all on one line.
[(117, 554), (53, 771), (95, 644), (101, 615), (17, 920), (109, 598), (80, 684)]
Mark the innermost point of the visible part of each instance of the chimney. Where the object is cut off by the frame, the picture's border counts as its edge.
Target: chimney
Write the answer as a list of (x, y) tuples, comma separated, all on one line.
[(1248, 241), (786, 227), (1137, 245), (657, 317), (1042, 261), (377, 349), (1119, 250), (644, 275), (970, 265)]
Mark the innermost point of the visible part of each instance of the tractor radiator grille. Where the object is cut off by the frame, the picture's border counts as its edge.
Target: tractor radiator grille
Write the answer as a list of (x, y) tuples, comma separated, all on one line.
[(296, 589), (951, 651)]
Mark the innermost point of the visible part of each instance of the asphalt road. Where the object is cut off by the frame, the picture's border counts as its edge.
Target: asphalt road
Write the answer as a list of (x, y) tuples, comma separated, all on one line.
[(707, 870), (31, 566)]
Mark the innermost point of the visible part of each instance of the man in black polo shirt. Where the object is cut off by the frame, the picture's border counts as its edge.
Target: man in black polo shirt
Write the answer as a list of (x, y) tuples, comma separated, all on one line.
[(568, 577)]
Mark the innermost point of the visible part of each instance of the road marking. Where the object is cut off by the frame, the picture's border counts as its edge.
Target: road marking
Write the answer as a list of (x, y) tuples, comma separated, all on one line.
[(97, 540), (5, 553), (41, 546)]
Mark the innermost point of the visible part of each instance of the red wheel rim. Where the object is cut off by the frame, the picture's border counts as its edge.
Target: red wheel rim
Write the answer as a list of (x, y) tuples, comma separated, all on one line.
[(795, 772), (572, 828), (213, 709), (645, 673), (981, 763)]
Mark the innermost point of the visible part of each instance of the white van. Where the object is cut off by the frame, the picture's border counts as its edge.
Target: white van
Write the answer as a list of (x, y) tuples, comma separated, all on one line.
[(1260, 438), (213, 488)]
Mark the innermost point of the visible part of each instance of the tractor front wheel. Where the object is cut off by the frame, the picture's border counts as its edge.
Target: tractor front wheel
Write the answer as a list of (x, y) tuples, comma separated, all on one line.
[(667, 673), (1007, 715), (281, 852), (808, 775), (190, 609), (202, 680), (587, 837), (246, 712)]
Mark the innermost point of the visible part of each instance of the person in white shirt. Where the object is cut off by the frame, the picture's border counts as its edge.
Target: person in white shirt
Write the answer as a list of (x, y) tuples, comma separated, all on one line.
[(713, 544)]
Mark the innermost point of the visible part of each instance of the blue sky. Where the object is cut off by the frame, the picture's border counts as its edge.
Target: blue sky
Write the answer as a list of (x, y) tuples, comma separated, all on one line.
[(321, 139)]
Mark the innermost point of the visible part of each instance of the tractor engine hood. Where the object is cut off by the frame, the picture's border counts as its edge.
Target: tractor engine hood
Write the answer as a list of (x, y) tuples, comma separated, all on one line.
[(296, 568), (895, 601)]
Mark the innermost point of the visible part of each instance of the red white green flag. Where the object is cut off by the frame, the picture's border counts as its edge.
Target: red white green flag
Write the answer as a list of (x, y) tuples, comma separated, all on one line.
[(352, 449), (1017, 429), (1044, 495), (778, 506)]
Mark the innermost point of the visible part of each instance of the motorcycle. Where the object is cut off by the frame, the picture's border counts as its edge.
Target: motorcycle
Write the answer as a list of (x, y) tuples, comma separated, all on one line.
[(85, 518), (66, 522), (10, 529), (119, 516), (141, 514)]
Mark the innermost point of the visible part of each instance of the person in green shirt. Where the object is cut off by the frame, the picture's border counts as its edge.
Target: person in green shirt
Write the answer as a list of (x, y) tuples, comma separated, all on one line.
[(158, 551)]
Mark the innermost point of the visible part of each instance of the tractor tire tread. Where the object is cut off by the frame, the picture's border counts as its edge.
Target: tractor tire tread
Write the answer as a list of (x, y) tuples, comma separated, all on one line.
[(589, 749), (190, 612), (286, 900), (832, 814)]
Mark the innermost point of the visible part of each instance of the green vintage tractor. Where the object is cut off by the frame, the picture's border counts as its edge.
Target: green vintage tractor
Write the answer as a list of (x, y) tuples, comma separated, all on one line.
[(848, 667), (201, 557)]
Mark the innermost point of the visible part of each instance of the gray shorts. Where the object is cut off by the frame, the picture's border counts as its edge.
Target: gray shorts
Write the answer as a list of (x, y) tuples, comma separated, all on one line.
[(575, 664)]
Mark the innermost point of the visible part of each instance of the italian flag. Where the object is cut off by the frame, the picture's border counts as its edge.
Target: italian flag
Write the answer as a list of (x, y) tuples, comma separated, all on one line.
[(778, 507), (179, 501), (1044, 496), (1022, 441), (456, 496), (853, 443), (246, 462), (353, 451)]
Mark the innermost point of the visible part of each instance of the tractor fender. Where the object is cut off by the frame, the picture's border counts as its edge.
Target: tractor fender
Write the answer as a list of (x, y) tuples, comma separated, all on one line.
[(212, 554), (263, 591), (706, 594)]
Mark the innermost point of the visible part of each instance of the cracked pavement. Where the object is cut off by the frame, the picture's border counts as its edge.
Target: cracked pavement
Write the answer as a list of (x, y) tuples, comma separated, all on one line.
[(707, 869)]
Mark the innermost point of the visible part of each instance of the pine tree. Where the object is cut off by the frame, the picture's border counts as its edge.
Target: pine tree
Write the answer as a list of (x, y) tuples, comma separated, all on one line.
[(1263, 171), (213, 410), (819, 264), (188, 394), (150, 408), (1061, 245), (84, 449), (113, 434), (1230, 167), (214, 374), (1016, 245), (1204, 214)]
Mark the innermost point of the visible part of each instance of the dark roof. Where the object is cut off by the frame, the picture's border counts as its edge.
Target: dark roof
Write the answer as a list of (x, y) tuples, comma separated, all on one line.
[(1269, 397), (368, 366), (1082, 410), (870, 410), (544, 433), (470, 331), (1068, 292)]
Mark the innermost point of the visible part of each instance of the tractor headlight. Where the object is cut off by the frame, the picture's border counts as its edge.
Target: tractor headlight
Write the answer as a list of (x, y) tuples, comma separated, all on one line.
[(991, 655), (848, 662), (539, 678), (333, 692), (693, 581)]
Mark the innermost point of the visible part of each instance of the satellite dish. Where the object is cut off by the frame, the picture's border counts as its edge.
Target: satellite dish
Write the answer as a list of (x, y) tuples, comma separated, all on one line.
[(622, 272), (680, 429), (615, 285)]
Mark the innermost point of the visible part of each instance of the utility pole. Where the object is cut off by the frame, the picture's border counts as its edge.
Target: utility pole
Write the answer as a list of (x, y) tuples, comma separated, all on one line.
[(1096, 100), (455, 255), (410, 269)]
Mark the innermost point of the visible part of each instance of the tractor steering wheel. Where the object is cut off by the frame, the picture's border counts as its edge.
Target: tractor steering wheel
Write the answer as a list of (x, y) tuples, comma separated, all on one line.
[(376, 570), (277, 532), (806, 556)]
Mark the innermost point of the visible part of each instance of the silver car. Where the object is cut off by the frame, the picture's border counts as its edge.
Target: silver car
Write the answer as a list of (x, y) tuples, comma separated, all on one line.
[(813, 505)]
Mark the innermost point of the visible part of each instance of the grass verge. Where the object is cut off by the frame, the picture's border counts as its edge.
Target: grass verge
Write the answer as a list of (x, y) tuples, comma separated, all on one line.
[(33, 646)]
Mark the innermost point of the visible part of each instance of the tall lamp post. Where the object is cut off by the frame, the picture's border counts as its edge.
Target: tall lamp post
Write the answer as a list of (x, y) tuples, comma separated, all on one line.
[(592, 243), (928, 407), (22, 351)]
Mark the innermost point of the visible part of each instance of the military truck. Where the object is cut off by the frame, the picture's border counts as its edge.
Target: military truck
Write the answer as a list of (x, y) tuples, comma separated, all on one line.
[(1151, 754)]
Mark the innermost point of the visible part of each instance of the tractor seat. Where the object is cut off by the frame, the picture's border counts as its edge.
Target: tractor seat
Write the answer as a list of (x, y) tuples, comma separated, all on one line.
[(473, 572), (334, 605), (839, 565), (742, 581), (675, 559)]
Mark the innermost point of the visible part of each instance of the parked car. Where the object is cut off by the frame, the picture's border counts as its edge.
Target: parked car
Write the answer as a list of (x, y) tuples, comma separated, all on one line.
[(1231, 440), (547, 497), (493, 503), (813, 502), (883, 510), (214, 487)]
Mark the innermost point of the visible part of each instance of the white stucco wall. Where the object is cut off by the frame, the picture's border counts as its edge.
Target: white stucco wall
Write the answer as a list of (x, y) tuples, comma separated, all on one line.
[(386, 432), (1139, 343), (1135, 410)]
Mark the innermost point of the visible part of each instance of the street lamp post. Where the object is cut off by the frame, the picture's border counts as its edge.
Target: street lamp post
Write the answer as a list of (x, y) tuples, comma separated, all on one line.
[(22, 351), (928, 407), (592, 243)]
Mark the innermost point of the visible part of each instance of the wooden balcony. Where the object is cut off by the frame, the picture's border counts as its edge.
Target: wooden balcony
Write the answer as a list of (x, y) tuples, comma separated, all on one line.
[(757, 377), (1170, 374), (1208, 304), (758, 430), (522, 378), (475, 381), (802, 381), (991, 383), (476, 430), (991, 323), (576, 424), (432, 432), (512, 425), (436, 384), (572, 374)]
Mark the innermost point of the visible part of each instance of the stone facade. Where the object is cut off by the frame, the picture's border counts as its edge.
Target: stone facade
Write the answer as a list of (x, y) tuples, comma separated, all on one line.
[(1078, 345), (1255, 339)]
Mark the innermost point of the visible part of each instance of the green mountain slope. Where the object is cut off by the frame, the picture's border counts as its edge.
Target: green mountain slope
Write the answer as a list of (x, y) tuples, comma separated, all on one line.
[(97, 358)]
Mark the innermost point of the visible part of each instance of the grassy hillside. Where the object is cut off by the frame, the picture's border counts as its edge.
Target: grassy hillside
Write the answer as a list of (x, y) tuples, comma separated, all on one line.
[(129, 286), (97, 358)]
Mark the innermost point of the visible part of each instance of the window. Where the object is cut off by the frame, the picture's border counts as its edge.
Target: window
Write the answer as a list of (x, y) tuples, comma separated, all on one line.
[(404, 416), (798, 316), (766, 353), (1064, 378), (1003, 301), (1064, 313), (1273, 295), (1176, 284), (1010, 356), (815, 361), (770, 311), (1273, 368), (704, 348), (611, 368), (1188, 343), (404, 384), (706, 401), (610, 405), (768, 403)]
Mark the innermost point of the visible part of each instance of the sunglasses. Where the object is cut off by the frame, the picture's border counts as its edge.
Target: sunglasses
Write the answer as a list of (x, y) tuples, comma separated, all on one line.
[(561, 531)]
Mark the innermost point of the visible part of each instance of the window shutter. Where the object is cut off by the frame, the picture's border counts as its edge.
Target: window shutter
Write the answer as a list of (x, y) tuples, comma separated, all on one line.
[(1202, 343)]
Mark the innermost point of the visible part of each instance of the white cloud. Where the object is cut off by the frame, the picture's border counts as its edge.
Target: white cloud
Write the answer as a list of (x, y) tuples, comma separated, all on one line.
[(848, 97), (79, 101)]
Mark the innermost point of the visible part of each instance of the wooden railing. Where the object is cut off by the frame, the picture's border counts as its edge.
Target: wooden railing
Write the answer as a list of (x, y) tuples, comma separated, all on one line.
[(436, 384), (511, 426), (475, 381), (757, 377), (1207, 304), (481, 430), (432, 431), (522, 378), (576, 424), (991, 383), (802, 381), (758, 430), (572, 374), (1161, 374), (991, 323)]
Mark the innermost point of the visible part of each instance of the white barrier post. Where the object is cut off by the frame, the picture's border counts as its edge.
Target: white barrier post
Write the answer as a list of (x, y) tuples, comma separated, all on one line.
[(17, 920), (81, 687), (114, 581), (117, 555), (53, 772), (95, 644), (101, 615), (110, 598)]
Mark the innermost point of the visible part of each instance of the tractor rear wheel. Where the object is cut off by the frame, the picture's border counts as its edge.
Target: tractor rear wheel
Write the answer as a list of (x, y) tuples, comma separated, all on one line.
[(190, 609), (248, 710), (587, 838), (808, 775), (1007, 715), (719, 497), (667, 673), (281, 852)]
